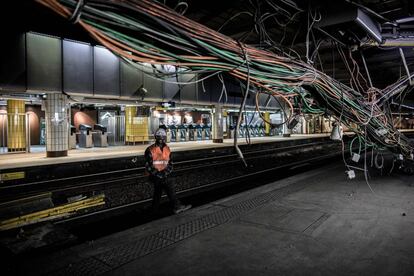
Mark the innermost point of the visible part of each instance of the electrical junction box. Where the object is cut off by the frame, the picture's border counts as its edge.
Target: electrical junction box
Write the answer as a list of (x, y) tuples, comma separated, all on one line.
[(356, 157)]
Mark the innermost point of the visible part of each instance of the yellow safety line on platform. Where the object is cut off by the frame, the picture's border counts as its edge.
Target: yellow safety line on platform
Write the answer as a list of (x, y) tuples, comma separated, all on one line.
[(51, 213)]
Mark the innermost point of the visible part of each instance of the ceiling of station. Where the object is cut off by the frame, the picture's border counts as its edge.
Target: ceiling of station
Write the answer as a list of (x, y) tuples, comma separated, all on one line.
[(284, 25), (289, 27)]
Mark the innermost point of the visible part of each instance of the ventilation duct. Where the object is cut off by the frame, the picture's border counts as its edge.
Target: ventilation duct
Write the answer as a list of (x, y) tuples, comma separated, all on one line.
[(348, 24)]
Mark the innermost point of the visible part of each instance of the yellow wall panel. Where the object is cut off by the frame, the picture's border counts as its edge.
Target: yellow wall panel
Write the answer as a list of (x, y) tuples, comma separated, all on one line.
[(267, 126), (136, 127), (16, 125)]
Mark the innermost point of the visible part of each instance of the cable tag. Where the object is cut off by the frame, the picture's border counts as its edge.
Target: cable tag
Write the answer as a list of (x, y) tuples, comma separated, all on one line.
[(356, 157), (351, 174), (381, 131), (337, 133)]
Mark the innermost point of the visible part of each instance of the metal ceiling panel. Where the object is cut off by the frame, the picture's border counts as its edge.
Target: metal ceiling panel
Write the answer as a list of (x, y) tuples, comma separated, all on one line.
[(77, 67), (106, 72), (44, 63)]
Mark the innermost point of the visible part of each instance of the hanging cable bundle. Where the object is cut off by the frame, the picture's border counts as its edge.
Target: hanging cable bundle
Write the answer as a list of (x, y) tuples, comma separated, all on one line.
[(145, 31)]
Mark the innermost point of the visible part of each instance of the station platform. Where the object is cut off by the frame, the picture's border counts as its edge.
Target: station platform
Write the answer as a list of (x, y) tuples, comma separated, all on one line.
[(20, 160), (314, 223)]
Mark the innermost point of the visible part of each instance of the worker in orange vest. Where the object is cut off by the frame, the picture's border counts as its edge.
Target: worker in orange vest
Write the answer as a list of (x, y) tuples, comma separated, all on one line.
[(158, 164)]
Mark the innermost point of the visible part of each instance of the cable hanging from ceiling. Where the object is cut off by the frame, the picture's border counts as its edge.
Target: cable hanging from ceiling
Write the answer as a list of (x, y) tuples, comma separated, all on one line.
[(146, 31)]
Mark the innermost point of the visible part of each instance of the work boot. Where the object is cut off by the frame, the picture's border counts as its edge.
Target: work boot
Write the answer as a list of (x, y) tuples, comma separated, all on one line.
[(182, 208)]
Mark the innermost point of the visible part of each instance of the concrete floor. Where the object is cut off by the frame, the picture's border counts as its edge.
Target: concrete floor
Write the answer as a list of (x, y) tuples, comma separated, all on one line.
[(321, 224)]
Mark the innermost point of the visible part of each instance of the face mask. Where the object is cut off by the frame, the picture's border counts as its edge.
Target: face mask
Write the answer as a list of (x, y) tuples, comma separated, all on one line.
[(160, 140)]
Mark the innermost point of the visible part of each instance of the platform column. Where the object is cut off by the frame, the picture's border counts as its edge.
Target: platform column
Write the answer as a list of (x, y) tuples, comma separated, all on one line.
[(217, 131), (57, 125), (16, 126), (286, 130), (267, 125)]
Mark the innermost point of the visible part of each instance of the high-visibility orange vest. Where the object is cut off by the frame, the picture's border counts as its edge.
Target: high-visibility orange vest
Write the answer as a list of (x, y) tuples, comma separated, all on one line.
[(160, 158)]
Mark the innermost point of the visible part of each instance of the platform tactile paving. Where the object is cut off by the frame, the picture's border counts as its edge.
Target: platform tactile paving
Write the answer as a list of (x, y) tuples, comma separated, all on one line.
[(123, 254), (187, 229), (89, 266)]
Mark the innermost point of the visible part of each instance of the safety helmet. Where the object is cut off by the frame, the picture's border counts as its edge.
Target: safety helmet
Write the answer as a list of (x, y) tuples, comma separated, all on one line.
[(160, 133)]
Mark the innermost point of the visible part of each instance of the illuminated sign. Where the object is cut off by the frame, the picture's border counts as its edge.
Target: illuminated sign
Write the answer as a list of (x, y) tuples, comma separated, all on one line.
[(167, 104)]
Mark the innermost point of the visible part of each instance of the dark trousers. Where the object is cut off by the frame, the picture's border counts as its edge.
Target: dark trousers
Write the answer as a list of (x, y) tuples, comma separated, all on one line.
[(161, 184)]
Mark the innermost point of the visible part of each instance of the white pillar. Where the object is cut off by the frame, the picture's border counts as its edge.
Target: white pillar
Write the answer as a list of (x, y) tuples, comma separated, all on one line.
[(57, 125), (287, 131), (217, 131)]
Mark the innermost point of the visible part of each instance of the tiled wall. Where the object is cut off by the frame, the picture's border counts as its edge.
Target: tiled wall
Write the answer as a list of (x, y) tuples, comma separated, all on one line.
[(56, 122)]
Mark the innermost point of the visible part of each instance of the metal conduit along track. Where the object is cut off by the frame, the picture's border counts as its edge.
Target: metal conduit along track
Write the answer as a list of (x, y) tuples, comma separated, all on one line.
[(128, 188)]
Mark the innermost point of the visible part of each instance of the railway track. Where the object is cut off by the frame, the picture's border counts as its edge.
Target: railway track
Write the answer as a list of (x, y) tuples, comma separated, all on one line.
[(102, 178), (212, 186), (128, 188)]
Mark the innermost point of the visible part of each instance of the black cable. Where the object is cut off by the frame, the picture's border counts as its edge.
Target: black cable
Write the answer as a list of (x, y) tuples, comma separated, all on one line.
[(242, 105)]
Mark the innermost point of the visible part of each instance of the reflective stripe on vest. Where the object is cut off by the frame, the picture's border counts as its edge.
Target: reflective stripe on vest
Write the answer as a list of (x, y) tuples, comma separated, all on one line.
[(160, 158)]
